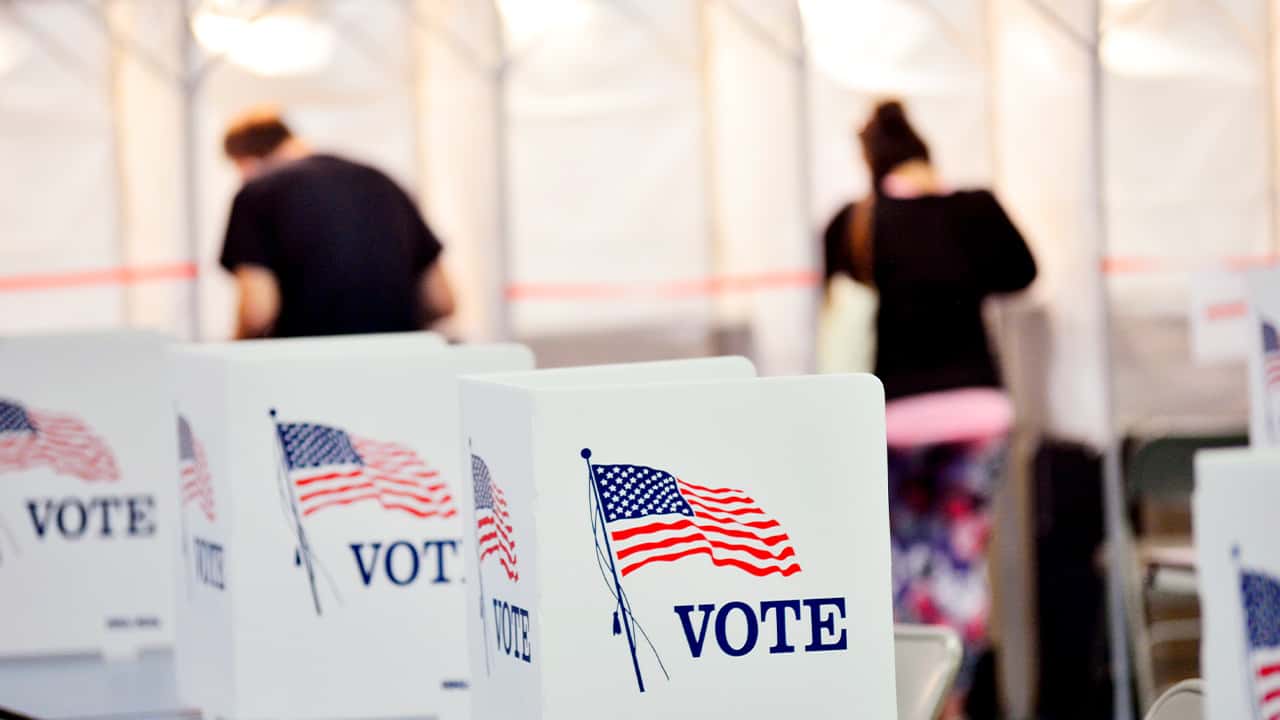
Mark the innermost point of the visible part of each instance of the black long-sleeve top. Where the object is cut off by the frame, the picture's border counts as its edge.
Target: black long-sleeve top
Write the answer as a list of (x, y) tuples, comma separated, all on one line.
[(935, 258)]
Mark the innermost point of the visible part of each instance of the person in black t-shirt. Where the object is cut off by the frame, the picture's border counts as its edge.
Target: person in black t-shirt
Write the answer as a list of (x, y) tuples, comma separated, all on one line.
[(320, 245)]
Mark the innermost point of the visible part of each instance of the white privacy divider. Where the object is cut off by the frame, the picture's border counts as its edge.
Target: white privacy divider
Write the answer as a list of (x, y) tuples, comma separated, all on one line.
[(87, 506), (1238, 566), (678, 540), (323, 574), (1263, 333)]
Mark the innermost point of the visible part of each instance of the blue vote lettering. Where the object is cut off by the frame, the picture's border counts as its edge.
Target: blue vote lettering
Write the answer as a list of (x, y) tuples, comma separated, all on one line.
[(208, 561), (738, 626), (101, 516), (511, 630), (403, 562)]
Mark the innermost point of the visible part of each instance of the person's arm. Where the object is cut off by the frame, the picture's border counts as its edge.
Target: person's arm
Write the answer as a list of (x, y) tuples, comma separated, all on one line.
[(436, 294), (246, 254), (1005, 263), (258, 305)]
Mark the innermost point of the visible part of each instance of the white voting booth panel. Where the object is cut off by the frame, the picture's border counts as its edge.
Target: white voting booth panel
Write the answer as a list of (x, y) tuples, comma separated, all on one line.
[(1263, 333), (324, 573), (1238, 561), (678, 540), (86, 496)]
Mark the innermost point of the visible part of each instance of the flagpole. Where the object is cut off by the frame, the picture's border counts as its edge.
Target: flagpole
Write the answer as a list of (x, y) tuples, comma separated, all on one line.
[(484, 624), (1250, 692), (617, 584), (186, 544), (303, 548)]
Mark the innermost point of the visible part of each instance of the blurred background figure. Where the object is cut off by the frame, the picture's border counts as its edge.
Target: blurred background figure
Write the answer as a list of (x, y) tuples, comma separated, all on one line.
[(933, 256), (320, 245)]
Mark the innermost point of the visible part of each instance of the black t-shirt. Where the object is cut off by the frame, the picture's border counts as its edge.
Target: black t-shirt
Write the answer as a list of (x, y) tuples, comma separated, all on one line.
[(346, 244), (935, 258)]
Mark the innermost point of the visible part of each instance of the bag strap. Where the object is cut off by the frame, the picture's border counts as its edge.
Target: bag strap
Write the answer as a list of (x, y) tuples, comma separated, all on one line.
[(861, 217)]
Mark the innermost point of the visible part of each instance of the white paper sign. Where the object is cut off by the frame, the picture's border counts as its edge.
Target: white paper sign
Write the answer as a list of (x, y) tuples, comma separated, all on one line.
[(328, 580), (1238, 564), (1219, 316), (87, 521), (705, 548), (1264, 357)]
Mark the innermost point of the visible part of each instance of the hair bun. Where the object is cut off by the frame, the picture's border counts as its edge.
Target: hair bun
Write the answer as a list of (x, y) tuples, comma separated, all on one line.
[(892, 117)]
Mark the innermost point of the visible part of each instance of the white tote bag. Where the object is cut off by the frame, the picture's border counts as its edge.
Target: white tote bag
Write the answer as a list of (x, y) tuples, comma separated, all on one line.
[(847, 327), (847, 320)]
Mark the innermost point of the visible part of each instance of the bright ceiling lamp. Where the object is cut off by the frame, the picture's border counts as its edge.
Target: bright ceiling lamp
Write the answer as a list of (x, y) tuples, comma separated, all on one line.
[(870, 45), (1139, 52), (264, 38), (525, 21)]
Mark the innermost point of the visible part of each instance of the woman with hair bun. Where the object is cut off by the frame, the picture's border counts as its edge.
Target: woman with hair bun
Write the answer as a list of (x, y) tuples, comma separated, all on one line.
[(933, 256)]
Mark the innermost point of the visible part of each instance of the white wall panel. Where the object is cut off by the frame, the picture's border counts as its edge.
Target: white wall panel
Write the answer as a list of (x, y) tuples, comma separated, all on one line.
[(58, 202)]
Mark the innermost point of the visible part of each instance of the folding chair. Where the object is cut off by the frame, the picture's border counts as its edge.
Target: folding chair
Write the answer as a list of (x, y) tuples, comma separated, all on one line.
[(1184, 701), (1160, 470), (926, 660)]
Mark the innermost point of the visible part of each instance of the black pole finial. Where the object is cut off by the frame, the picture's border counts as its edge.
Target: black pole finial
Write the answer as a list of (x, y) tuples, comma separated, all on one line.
[(586, 453)]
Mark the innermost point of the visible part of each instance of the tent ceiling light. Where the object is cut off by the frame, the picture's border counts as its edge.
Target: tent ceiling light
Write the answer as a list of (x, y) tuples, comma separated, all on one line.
[(527, 20), (868, 45), (264, 40), (1137, 52)]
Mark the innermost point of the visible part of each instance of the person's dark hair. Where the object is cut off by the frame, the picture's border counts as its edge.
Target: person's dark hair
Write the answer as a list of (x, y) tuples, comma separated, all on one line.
[(837, 255), (888, 140), (255, 135)]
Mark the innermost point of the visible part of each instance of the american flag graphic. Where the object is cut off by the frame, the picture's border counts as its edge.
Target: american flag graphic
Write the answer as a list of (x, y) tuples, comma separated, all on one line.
[(33, 438), (652, 517), (494, 533), (1262, 629), (330, 467), (193, 467), (1270, 356)]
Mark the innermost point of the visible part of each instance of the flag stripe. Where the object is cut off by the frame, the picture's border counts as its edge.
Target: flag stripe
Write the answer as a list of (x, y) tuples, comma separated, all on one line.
[(643, 530), (630, 550), (757, 570), (301, 482)]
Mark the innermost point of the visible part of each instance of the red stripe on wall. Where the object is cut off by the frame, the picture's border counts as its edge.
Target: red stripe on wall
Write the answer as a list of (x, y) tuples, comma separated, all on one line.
[(124, 275), (674, 290), (1134, 264), (1227, 310)]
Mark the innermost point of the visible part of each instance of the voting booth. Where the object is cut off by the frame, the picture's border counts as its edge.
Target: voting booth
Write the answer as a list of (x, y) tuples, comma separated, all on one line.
[(1238, 562), (86, 499), (677, 540), (1262, 334), (323, 567)]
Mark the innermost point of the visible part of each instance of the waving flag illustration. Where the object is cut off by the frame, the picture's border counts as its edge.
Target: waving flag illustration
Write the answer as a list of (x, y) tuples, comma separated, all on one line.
[(1270, 355), (493, 521), (1261, 594), (32, 438), (328, 467), (654, 517), (197, 484), (494, 532), (649, 516)]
